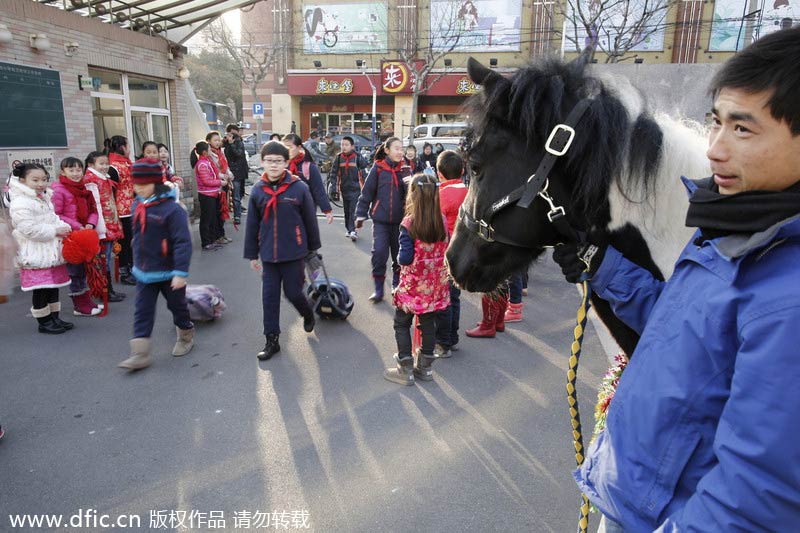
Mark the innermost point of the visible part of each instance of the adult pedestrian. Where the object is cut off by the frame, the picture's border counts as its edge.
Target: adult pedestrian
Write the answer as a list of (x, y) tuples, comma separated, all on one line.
[(237, 160), (699, 434), (311, 147), (427, 158), (331, 147), (347, 173)]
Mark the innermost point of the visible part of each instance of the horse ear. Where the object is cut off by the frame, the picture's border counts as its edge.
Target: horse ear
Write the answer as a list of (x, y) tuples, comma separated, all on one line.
[(585, 57), (479, 73)]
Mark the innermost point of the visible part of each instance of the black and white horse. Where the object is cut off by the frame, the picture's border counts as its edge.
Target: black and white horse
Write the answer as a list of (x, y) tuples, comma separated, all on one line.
[(619, 181)]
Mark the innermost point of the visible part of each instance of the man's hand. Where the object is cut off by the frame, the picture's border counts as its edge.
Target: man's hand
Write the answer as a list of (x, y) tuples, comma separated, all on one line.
[(360, 223), (255, 264), (178, 282), (329, 217), (575, 260)]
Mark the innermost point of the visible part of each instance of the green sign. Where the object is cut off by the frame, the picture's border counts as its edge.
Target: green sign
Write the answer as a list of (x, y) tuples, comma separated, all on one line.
[(31, 108)]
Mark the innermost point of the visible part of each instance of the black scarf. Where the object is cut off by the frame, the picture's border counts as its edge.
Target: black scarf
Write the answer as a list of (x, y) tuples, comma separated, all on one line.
[(718, 215)]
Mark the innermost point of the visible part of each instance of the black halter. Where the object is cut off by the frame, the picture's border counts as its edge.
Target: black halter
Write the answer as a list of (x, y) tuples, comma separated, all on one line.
[(557, 145)]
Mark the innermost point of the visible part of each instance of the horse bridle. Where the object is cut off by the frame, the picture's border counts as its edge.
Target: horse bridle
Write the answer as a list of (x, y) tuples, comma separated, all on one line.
[(557, 145)]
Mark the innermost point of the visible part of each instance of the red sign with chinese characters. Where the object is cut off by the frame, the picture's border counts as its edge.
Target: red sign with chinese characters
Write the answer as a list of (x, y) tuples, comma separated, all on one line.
[(396, 78)]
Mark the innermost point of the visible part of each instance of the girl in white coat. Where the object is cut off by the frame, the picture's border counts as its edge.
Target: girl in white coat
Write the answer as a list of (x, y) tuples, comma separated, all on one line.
[(38, 232)]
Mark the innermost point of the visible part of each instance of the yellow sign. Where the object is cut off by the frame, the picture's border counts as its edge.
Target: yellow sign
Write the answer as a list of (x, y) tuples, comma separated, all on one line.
[(334, 87), (467, 86)]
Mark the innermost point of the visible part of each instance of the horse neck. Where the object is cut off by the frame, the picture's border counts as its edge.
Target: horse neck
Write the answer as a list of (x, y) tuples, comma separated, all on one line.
[(660, 213)]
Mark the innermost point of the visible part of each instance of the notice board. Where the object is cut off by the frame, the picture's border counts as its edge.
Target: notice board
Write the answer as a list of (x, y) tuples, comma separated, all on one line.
[(31, 108)]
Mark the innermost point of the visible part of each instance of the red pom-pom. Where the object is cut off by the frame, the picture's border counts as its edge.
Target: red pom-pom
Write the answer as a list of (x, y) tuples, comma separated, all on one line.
[(80, 246)]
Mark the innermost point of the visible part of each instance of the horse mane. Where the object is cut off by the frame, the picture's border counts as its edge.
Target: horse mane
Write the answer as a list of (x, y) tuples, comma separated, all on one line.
[(614, 140)]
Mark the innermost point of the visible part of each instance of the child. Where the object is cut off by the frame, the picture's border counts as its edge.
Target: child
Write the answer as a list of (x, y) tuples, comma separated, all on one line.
[(120, 171), (347, 174), (382, 198), (97, 174), (38, 232), (302, 165), (452, 192), (217, 156), (423, 289), (162, 249), (412, 159), (75, 205), (208, 184), (281, 231)]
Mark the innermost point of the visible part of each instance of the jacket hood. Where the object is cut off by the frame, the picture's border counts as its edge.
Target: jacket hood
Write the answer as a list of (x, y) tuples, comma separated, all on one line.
[(16, 187)]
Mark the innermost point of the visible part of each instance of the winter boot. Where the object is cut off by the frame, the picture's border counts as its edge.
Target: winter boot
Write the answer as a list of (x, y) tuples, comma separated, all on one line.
[(514, 313), (423, 370), (486, 327), (403, 373), (126, 277), (184, 343), (377, 296), (84, 306), (309, 322), (55, 309), (113, 296), (46, 323), (140, 355), (441, 352), (270, 348), (501, 304)]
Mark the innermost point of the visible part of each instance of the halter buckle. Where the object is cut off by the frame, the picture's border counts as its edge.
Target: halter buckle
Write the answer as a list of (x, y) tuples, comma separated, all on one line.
[(485, 231), (558, 129), (556, 211)]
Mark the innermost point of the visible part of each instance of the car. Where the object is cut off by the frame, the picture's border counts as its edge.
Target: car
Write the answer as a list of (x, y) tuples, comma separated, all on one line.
[(448, 135), (250, 142)]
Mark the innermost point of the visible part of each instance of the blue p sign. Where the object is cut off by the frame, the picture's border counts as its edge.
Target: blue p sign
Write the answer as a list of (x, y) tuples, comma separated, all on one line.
[(258, 109)]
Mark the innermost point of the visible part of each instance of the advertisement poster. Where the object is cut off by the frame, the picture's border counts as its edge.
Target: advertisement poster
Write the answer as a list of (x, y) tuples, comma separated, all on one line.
[(738, 22), (618, 20), (476, 25), (345, 28)]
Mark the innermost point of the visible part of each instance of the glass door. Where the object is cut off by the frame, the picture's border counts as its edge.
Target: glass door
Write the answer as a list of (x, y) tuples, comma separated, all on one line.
[(339, 123), (149, 126)]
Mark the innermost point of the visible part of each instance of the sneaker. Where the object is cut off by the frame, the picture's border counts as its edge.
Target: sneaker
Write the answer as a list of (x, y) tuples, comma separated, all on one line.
[(524, 292), (211, 247), (237, 221), (353, 236), (441, 352)]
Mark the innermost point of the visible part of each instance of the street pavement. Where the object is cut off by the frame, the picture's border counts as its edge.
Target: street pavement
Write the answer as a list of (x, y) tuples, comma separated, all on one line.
[(315, 432)]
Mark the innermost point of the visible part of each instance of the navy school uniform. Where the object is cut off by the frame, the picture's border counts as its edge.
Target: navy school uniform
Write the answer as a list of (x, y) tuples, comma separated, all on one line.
[(162, 249), (281, 229)]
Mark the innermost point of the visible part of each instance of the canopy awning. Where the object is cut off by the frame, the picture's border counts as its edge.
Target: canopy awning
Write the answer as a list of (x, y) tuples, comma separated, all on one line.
[(176, 20)]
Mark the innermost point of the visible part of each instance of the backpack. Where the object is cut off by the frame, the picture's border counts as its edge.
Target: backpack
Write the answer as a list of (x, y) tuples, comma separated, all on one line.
[(205, 302)]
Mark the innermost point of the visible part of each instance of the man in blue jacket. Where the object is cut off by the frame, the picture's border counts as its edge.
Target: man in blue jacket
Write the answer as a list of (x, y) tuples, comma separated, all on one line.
[(702, 434)]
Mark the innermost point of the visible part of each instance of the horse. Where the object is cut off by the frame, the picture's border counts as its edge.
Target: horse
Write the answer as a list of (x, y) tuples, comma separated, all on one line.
[(618, 180)]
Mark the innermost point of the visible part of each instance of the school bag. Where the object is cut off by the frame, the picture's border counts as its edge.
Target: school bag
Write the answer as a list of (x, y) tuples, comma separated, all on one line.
[(205, 302), (328, 297)]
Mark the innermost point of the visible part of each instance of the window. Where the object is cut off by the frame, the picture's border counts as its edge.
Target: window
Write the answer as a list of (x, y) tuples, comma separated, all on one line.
[(147, 93), (450, 131), (109, 119), (420, 132), (106, 82)]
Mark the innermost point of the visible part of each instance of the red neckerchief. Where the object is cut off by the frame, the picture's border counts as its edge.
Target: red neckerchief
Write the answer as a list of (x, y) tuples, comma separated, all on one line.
[(84, 200), (296, 164), (140, 214), (272, 201), (223, 161), (348, 157), (383, 165)]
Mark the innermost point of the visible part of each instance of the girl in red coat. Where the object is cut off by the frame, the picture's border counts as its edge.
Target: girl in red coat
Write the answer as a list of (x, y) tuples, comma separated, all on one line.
[(119, 153), (423, 289)]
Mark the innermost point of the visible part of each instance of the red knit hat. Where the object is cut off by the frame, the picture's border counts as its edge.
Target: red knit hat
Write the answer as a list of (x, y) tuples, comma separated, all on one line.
[(147, 170)]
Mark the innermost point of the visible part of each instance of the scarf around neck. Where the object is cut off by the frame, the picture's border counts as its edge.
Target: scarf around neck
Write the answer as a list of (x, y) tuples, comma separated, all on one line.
[(84, 200), (719, 215), (296, 163)]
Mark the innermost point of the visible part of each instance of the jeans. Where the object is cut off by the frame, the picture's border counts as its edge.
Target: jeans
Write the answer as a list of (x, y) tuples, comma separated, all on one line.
[(144, 315), (109, 251), (515, 288), (291, 275), (447, 319), (238, 193), (402, 332)]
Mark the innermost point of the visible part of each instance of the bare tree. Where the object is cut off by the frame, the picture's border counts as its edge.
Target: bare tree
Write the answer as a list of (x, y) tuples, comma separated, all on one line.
[(616, 28), (253, 60)]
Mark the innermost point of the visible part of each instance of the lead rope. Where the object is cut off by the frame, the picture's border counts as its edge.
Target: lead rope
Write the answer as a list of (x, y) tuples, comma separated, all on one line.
[(572, 393)]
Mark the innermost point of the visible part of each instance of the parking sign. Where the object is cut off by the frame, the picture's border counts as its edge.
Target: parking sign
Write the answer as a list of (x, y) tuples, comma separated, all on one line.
[(258, 110)]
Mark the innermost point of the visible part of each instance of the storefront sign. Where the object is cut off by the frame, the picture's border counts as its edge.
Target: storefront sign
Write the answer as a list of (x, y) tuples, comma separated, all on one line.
[(43, 158), (396, 78), (334, 87), (340, 109), (467, 86)]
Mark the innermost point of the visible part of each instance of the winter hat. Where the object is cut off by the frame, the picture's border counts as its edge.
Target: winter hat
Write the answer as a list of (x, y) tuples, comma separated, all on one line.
[(147, 170), (275, 148)]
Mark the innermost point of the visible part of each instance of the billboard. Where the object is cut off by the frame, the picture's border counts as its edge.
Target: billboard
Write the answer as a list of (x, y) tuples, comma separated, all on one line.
[(737, 22), (345, 28), (617, 20), (476, 25)]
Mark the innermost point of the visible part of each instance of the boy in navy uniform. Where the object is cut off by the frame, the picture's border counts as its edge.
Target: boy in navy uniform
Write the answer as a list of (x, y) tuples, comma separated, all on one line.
[(347, 173), (281, 231)]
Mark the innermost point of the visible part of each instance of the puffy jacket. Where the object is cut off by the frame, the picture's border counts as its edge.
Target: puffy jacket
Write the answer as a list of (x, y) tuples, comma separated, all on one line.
[(122, 169), (702, 432), (308, 171), (35, 224), (67, 209), (451, 196), (237, 158), (383, 196), (207, 177), (162, 243), (289, 230), (347, 172)]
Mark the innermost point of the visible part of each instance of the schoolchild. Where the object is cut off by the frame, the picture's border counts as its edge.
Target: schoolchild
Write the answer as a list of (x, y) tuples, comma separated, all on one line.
[(383, 198), (423, 289), (347, 171), (208, 184), (217, 156), (118, 152), (108, 225), (75, 205), (162, 250), (39, 232), (168, 171), (303, 166), (427, 158), (412, 160), (452, 191), (281, 232)]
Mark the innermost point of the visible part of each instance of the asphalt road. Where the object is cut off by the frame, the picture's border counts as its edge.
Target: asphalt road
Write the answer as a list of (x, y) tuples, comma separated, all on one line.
[(315, 432)]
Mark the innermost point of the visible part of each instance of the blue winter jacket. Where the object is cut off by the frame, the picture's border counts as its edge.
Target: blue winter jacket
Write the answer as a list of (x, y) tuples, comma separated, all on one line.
[(289, 232), (702, 434), (164, 249), (314, 182), (383, 196)]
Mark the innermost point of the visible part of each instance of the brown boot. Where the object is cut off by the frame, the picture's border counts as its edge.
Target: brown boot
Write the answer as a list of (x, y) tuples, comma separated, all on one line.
[(486, 327), (403, 372), (184, 343), (140, 355), (500, 306)]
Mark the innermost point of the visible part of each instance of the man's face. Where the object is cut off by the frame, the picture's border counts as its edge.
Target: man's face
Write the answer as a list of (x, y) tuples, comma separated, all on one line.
[(328, 140), (748, 149)]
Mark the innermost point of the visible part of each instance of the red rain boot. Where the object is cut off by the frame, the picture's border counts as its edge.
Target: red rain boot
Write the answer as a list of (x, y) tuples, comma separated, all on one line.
[(500, 313), (486, 327)]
